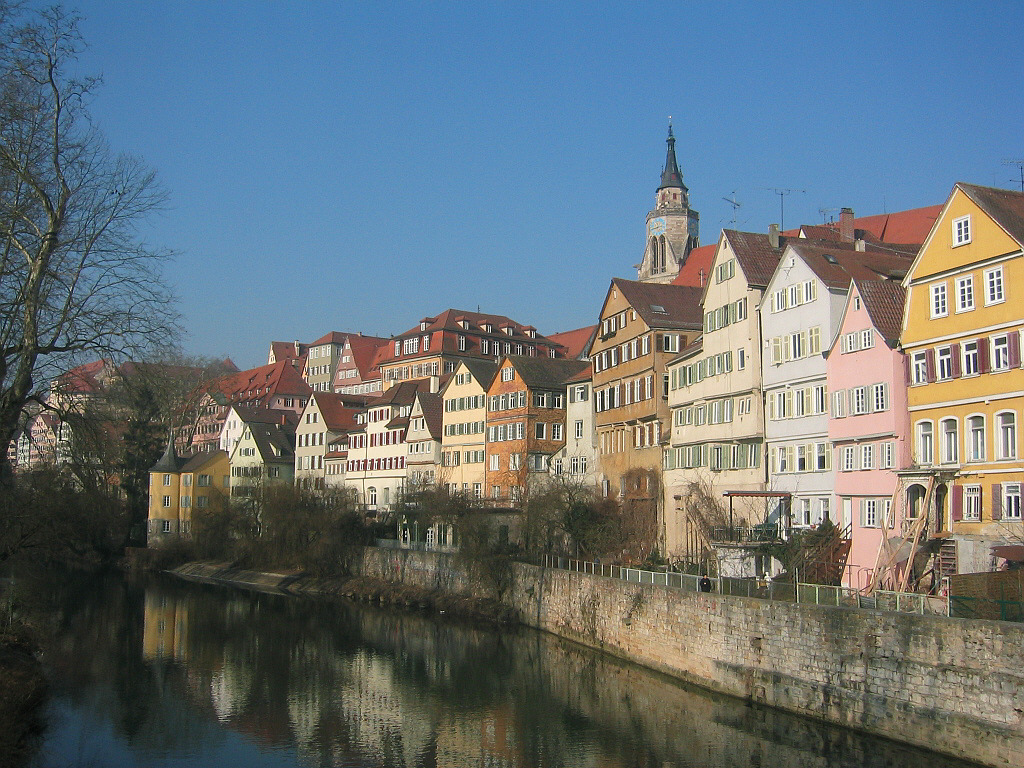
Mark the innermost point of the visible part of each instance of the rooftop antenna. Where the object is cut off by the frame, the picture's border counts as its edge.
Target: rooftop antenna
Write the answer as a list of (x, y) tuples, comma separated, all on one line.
[(781, 192), (825, 217), (1020, 165), (735, 206)]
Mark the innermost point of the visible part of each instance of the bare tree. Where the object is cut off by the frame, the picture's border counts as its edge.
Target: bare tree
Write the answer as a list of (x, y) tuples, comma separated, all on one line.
[(76, 281)]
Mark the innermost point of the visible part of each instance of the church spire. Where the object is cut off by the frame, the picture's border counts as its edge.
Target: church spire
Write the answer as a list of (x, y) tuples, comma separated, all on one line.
[(671, 175)]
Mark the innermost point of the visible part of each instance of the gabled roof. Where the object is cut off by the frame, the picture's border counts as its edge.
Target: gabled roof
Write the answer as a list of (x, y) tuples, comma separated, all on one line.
[(201, 459), (269, 437), (545, 372), (836, 264), (577, 342), (432, 408), (278, 378), (663, 306), (482, 369), (287, 350), (884, 301), (337, 415), (1004, 206), (697, 267), (266, 416), (755, 255), (585, 374), (83, 379)]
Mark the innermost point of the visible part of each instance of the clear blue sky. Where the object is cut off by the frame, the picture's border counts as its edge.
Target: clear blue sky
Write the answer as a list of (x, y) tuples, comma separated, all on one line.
[(357, 166)]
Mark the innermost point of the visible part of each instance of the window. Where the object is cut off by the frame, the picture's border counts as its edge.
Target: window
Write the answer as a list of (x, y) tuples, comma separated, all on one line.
[(556, 431), (495, 462), (514, 461), (970, 361), (885, 455), (1006, 435), (972, 502), (508, 374), (867, 456), (1011, 501), (869, 513), (540, 430), (165, 526), (167, 479), (945, 363), (939, 306), (950, 441), (859, 400), (839, 404), (965, 293), (849, 458), (994, 286), (925, 443), (880, 397), (167, 501), (1000, 353), (579, 429), (961, 231), (976, 438), (919, 368)]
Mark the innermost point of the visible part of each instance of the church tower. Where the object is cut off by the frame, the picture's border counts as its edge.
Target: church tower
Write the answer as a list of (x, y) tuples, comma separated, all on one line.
[(672, 227)]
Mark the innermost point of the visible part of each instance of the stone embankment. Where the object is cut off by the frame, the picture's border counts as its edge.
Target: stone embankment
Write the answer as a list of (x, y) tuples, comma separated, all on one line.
[(362, 588), (951, 685)]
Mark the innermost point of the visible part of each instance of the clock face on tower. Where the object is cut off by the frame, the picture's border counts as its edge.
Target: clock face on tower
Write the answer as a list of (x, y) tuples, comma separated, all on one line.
[(656, 227)]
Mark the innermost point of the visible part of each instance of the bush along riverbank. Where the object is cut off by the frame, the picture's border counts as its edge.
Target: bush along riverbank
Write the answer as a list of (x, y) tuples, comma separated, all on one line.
[(365, 589), (23, 694)]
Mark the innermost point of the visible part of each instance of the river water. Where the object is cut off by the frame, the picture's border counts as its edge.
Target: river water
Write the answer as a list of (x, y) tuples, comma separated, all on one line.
[(159, 672)]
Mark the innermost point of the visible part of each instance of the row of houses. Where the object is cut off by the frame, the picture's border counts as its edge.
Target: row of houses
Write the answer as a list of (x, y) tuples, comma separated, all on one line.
[(862, 376)]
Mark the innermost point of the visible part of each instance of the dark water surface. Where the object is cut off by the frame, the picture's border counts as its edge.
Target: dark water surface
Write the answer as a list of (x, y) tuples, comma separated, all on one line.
[(161, 672)]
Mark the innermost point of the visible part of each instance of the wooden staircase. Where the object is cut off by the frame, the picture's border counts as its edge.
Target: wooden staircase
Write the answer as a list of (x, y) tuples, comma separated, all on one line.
[(825, 561)]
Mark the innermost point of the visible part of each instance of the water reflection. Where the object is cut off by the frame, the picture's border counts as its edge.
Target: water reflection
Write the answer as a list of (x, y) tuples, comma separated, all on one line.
[(165, 673)]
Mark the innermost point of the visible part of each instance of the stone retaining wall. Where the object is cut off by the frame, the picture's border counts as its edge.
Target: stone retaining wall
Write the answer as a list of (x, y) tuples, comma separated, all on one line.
[(952, 685)]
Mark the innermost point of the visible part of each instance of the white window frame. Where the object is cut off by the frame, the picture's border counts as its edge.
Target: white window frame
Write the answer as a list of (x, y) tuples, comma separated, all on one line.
[(961, 231), (972, 503), (965, 293), (1011, 501), (1006, 435), (939, 305), (995, 289)]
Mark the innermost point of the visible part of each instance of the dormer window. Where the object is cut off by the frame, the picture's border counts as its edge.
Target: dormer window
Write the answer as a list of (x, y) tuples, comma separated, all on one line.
[(423, 325), (508, 330), (488, 328), (398, 348)]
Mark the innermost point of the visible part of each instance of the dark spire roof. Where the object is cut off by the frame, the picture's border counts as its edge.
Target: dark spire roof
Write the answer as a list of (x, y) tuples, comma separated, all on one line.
[(671, 176), (169, 462)]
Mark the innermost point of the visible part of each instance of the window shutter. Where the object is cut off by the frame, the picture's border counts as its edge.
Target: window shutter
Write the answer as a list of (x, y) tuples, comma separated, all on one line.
[(955, 354), (908, 372), (957, 503), (1014, 348), (929, 364), (997, 501), (983, 355)]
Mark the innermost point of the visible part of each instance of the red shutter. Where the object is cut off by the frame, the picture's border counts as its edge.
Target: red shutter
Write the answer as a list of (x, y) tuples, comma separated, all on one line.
[(908, 372), (954, 350), (983, 355), (929, 365), (958, 502), (1014, 340), (997, 501)]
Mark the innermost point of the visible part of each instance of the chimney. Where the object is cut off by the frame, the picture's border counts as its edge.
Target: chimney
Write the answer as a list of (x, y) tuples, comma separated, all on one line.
[(296, 347), (773, 235), (846, 224), (435, 384)]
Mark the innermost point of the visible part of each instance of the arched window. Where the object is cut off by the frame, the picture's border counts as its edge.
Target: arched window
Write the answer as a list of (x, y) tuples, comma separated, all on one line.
[(1006, 437), (654, 255), (925, 443), (976, 438), (950, 441), (662, 249), (915, 501)]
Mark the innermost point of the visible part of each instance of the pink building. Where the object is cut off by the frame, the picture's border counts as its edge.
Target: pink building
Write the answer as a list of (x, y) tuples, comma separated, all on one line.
[(869, 426)]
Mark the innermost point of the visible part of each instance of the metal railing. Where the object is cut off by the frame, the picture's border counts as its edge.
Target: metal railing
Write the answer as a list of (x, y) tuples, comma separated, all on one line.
[(810, 594)]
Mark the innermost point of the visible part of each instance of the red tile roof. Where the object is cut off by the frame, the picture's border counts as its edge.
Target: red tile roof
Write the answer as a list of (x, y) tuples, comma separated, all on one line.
[(755, 255), (910, 226), (697, 266), (278, 378), (837, 263), (884, 301), (337, 416), (576, 343)]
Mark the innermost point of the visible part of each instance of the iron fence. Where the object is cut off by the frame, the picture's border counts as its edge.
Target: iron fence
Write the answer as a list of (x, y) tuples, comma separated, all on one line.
[(811, 594)]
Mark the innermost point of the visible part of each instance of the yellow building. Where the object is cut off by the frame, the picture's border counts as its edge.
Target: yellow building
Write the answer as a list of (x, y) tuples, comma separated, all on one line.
[(962, 337), (179, 485)]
